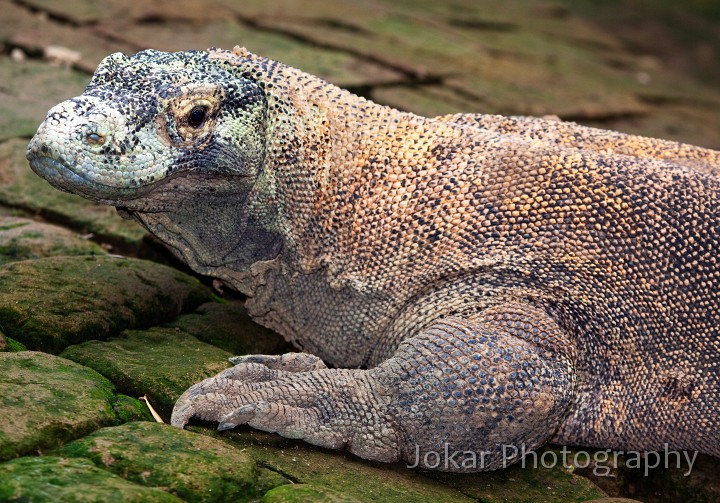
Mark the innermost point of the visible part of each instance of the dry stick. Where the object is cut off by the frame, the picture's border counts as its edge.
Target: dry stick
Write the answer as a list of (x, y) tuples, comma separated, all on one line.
[(152, 411)]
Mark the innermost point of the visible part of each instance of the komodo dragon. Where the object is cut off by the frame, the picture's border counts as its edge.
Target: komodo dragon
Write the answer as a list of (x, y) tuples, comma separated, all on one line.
[(478, 281)]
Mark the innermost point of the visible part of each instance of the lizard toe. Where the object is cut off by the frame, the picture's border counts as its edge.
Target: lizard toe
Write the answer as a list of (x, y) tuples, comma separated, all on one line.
[(289, 362), (301, 423), (206, 400), (251, 372), (237, 417)]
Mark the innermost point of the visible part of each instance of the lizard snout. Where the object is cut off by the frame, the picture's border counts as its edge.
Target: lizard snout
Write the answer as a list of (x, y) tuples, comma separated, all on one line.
[(91, 145)]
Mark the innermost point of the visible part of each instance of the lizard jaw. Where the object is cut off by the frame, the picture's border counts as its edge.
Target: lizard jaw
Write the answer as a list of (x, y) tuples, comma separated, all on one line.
[(66, 179)]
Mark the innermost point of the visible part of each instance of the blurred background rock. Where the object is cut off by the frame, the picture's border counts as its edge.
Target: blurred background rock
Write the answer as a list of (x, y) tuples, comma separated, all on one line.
[(643, 66)]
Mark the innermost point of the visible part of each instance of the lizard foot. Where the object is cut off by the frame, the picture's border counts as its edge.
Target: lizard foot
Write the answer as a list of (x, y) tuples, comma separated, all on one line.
[(333, 408)]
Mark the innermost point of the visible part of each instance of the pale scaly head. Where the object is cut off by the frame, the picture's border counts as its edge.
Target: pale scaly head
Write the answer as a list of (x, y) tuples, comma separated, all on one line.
[(149, 118), (176, 140)]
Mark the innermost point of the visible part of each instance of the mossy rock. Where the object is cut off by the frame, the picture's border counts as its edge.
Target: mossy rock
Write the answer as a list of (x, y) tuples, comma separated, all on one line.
[(23, 239), (228, 326), (306, 493), (23, 27), (160, 363), (30, 89), (364, 480), (8, 344), (49, 479), (46, 400), (337, 471), (191, 466), (129, 409), (53, 302)]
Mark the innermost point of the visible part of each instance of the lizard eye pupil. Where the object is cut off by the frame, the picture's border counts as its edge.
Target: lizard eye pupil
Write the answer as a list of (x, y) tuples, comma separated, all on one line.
[(196, 117)]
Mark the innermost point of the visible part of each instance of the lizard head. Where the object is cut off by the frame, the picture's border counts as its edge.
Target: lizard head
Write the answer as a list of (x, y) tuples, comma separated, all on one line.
[(149, 120), (176, 141)]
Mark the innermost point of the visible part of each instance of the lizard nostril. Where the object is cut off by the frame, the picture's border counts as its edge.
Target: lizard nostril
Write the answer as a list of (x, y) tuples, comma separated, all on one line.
[(95, 139)]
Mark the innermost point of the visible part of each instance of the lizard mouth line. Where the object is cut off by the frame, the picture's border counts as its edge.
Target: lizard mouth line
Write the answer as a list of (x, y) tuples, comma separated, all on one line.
[(65, 178)]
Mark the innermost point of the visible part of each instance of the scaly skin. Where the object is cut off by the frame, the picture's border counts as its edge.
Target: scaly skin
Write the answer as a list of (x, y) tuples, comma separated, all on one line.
[(482, 280)]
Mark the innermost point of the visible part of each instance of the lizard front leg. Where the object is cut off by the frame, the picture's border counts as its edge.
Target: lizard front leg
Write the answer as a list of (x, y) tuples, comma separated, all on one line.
[(471, 394), (471, 389)]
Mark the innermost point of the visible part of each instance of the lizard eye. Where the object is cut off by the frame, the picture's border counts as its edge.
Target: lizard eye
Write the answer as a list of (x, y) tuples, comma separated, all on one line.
[(196, 117)]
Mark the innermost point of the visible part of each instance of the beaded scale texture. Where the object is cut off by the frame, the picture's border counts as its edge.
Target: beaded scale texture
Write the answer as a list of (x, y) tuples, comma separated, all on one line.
[(479, 281)]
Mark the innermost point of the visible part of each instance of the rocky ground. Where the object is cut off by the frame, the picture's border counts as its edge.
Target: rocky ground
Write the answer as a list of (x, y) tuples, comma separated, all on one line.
[(94, 314)]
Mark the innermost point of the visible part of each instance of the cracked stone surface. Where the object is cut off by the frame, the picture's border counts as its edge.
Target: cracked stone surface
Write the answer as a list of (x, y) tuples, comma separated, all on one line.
[(73, 428), (48, 479), (46, 400), (427, 57), (52, 302), (191, 466), (161, 362), (24, 239)]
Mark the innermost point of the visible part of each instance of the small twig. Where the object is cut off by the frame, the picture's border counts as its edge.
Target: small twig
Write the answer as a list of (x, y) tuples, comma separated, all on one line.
[(152, 411)]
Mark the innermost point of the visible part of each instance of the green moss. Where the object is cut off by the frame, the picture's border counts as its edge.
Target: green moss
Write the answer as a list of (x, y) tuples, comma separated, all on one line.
[(229, 327), (32, 235), (217, 299), (23, 239), (46, 401), (130, 409), (49, 479), (7, 227), (191, 466), (338, 471), (306, 493), (160, 363), (13, 345), (368, 481), (52, 302)]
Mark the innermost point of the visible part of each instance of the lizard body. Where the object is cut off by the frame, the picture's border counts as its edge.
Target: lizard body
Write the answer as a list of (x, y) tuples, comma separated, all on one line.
[(484, 281)]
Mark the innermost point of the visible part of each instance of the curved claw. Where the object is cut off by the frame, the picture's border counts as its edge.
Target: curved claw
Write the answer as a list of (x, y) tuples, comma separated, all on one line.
[(237, 417), (183, 410)]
